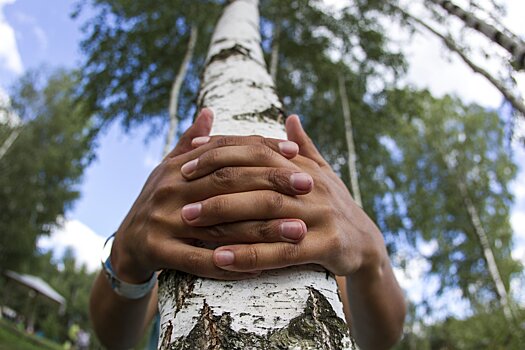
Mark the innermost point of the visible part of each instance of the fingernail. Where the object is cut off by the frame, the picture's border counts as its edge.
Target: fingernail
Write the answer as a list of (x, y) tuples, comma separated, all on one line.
[(199, 141), (288, 147), (301, 181), (189, 167), (293, 230), (191, 211), (224, 257)]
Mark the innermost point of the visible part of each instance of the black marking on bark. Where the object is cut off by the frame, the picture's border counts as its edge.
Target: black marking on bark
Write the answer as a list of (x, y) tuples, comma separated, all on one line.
[(166, 337), (232, 51), (520, 62), (318, 327), (272, 113), (179, 284)]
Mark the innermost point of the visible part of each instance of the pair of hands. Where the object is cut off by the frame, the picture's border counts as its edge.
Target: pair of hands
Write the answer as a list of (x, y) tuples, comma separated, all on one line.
[(269, 204)]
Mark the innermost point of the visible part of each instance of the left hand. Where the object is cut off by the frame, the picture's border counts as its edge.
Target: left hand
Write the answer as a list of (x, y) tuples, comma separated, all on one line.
[(340, 237)]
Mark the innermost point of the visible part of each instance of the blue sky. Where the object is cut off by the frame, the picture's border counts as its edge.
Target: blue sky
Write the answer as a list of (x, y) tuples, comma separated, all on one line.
[(35, 33), (46, 35)]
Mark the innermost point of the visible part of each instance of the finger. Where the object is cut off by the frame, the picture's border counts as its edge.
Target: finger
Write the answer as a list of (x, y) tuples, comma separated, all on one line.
[(245, 179), (280, 230), (250, 155), (194, 260), (255, 205), (286, 148), (265, 256), (296, 133), (200, 127)]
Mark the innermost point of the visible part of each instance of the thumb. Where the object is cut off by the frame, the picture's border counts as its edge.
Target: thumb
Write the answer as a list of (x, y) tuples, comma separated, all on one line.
[(200, 127), (296, 133)]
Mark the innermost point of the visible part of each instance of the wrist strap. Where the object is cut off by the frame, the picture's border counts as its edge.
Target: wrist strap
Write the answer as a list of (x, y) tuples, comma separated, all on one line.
[(124, 289)]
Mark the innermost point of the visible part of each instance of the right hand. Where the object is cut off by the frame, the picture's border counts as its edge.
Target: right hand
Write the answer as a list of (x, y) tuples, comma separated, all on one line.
[(154, 234)]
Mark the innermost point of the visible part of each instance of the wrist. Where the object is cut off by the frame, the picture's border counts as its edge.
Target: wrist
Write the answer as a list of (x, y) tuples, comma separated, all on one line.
[(374, 260), (125, 266), (130, 288)]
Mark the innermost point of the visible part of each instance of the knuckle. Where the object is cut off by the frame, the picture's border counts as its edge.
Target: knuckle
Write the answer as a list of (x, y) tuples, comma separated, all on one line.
[(217, 206), (252, 257), (276, 202), (264, 231), (156, 216), (289, 253), (209, 157), (278, 178), (261, 153), (216, 231), (257, 139), (192, 260), (224, 177), (224, 141)]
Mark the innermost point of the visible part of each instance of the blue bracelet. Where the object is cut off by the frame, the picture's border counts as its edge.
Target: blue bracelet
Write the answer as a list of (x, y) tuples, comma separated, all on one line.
[(124, 289)]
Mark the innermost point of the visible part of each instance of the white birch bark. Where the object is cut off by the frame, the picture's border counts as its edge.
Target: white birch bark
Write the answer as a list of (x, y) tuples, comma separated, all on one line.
[(484, 243), (274, 62), (175, 91), (9, 142), (352, 157), (513, 45), (481, 235), (293, 308)]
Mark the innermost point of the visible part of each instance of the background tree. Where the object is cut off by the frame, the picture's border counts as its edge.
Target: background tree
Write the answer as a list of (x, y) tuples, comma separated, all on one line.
[(429, 135), (40, 172)]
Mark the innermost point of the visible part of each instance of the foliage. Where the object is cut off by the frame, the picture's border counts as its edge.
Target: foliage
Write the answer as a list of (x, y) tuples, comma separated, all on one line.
[(435, 144), (133, 52), (480, 331), (40, 172)]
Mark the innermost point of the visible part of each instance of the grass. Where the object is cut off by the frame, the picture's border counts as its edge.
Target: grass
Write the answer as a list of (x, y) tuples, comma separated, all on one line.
[(14, 339)]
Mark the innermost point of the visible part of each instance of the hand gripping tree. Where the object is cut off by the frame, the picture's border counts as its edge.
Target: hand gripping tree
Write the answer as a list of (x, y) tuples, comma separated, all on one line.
[(293, 308)]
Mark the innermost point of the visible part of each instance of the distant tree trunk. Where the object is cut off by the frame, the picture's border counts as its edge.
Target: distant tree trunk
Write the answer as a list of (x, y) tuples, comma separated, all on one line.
[(9, 142), (352, 157), (514, 100), (274, 63), (293, 308), (487, 250), (175, 90), (512, 44), (481, 236)]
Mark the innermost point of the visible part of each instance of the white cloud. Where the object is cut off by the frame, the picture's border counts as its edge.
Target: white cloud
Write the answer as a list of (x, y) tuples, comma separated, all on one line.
[(86, 244), (9, 55)]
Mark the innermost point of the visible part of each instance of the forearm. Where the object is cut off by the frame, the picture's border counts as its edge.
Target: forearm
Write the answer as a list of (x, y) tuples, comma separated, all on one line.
[(119, 322), (377, 306)]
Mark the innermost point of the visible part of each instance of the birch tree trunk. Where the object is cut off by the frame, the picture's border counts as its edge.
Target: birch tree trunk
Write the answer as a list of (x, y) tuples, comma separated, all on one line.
[(293, 308), (9, 141), (274, 63), (513, 45), (482, 237), (487, 251), (175, 91), (352, 157)]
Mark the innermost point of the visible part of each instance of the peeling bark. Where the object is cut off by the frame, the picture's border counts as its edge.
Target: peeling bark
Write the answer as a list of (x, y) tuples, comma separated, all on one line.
[(352, 157), (175, 90)]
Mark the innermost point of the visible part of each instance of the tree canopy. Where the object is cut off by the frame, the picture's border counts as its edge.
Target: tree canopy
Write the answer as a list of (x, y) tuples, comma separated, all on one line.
[(40, 173)]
